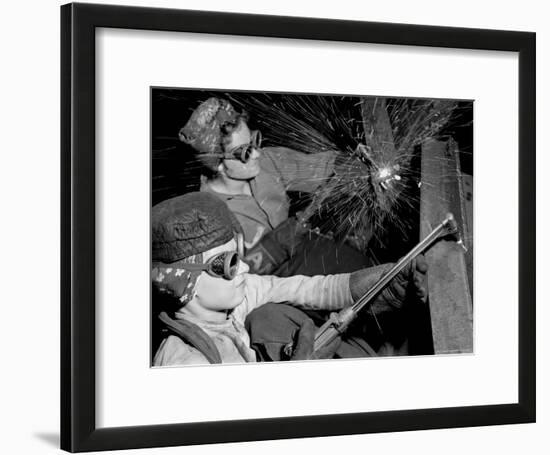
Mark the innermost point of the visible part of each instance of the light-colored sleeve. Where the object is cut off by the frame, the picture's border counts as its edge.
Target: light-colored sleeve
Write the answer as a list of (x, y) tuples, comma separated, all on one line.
[(299, 171), (330, 292), (174, 351)]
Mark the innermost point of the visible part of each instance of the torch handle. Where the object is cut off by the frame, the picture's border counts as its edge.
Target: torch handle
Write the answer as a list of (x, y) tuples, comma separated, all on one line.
[(339, 322), (336, 324), (401, 264)]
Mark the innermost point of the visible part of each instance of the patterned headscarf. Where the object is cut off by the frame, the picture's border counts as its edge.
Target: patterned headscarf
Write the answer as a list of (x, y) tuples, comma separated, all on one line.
[(204, 130), (177, 281)]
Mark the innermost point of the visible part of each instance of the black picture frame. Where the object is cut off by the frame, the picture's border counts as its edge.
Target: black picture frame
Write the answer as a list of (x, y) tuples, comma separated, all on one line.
[(78, 428)]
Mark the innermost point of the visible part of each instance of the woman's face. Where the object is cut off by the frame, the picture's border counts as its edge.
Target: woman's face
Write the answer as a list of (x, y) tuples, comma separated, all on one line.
[(236, 169), (219, 294)]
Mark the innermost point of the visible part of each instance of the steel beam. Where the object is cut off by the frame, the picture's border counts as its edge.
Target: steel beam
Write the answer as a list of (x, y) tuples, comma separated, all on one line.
[(450, 274)]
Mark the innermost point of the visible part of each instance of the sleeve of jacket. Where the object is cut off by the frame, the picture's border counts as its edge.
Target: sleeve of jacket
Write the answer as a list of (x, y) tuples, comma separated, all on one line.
[(330, 292), (298, 171)]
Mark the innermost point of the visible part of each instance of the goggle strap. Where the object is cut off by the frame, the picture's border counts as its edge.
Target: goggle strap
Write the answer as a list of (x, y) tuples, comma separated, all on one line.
[(193, 267)]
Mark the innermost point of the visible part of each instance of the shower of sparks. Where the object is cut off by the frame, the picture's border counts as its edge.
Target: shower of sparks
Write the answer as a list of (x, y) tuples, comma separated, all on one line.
[(375, 184), (369, 189)]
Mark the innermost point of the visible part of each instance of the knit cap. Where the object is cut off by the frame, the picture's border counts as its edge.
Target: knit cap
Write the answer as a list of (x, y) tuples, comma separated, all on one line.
[(182, 228)]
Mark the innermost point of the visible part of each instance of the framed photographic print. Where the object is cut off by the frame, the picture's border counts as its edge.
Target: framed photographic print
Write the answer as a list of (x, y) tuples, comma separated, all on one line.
[(279, 227)]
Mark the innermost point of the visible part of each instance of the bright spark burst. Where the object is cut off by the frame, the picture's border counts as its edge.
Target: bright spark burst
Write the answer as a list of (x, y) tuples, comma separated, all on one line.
[(367, 192)]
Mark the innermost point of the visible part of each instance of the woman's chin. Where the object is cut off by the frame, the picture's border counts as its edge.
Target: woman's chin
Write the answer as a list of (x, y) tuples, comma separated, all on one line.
[(244, 172)]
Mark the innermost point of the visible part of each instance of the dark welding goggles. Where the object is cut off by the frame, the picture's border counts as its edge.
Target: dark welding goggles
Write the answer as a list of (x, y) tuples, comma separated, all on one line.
[(224, 265), (244, 152)]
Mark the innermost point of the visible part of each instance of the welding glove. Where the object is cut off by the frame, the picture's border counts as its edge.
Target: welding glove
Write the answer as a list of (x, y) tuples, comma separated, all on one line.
[(411, 283), (303, 348), (348, 167)]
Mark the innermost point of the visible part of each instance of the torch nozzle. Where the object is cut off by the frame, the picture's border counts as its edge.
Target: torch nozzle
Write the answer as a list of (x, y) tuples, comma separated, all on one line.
[(452, 228), (450, 223)]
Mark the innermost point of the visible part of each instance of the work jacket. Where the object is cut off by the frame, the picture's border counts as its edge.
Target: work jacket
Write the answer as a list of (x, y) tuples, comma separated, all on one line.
[(281, 170), (329, 292)]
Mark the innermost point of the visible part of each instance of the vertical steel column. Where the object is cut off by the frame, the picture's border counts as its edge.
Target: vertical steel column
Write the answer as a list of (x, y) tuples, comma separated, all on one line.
[(450, 275)]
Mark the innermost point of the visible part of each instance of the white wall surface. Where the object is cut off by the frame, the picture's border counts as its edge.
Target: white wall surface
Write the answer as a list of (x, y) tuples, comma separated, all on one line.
[(29, 182)]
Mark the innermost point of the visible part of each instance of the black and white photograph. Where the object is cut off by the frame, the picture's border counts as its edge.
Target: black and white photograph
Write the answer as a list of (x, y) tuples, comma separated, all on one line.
[(305, 226)]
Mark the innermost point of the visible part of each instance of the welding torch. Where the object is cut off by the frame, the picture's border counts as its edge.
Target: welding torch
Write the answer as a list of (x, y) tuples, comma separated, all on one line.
[(339, 322)]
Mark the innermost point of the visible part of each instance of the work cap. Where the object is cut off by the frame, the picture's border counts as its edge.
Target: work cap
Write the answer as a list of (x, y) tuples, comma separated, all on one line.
[(190, 224)]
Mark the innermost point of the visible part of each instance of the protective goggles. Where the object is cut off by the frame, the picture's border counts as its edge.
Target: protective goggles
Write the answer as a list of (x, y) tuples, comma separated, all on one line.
[(224, 265), (244, 152)]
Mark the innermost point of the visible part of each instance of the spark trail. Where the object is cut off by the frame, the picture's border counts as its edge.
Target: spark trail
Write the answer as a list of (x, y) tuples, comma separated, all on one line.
[(371, 188)]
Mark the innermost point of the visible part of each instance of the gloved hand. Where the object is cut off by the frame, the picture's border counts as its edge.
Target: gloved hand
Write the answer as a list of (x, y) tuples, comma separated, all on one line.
[(303, 349), (351, 167), (410, 282)]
